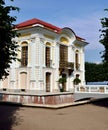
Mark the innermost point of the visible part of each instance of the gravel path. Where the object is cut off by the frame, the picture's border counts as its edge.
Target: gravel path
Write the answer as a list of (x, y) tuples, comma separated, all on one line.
[(84, 117)]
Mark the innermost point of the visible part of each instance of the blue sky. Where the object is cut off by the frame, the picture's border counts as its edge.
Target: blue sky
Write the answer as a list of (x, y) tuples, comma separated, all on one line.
[(83, 16)]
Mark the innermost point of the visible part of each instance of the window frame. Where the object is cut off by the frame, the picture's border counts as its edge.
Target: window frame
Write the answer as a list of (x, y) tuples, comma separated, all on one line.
[(24, 54)]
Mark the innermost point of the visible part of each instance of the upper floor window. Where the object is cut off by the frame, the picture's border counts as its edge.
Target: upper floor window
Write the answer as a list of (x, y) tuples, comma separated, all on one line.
[(24, 54), (63, 53), (77, 59), (48, 55)]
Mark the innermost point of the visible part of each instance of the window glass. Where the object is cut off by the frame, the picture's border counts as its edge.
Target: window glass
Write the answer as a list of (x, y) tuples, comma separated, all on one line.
[(24, 55)]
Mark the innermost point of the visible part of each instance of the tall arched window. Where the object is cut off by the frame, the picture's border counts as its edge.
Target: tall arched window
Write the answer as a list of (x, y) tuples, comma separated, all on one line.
[(48, 81), (24, 54), (63, 56), (77, 59), (48, 55)]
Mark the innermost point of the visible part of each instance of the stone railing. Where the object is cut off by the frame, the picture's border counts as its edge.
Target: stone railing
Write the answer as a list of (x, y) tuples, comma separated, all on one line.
[(92, 88), (64, 64)]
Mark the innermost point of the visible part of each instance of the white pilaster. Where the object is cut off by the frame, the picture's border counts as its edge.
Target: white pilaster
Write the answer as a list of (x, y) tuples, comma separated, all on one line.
[(32, 63), (42, 52), (37, 56), (57, 57), (69, 54)]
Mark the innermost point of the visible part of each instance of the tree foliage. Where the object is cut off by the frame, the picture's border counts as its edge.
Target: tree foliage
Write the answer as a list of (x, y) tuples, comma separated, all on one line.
[(8, 47), (95, 72), (104, 37)]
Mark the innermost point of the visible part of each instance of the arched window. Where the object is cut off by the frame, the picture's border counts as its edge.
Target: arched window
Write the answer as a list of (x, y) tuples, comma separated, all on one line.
[(63, 53), (77, 59), (24, 54), (64, 40), (48, 44), (47, 54), (48, 81)]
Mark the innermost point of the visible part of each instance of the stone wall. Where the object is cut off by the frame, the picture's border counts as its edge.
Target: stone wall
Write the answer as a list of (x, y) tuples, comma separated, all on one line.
[(47, 99)]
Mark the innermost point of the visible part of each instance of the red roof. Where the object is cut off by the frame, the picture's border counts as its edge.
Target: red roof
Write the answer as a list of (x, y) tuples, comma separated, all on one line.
[(79, 38), (37, 21)]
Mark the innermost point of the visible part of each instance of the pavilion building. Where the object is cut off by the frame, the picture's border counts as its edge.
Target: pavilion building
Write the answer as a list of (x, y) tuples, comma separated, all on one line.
[(47, 53)]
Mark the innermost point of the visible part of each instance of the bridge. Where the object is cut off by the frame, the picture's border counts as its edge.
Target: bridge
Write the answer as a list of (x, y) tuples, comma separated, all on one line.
[(90, 91)]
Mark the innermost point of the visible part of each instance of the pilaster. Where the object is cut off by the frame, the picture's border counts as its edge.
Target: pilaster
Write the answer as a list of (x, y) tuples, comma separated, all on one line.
[(37, 50)]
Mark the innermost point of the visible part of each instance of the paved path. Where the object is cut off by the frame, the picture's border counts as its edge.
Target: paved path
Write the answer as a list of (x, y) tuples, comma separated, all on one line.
[(84, 117), (79, 96)]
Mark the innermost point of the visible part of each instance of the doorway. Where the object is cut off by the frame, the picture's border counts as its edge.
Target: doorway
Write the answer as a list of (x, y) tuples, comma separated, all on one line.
[(64, 84), (48, 81), (23, 81)]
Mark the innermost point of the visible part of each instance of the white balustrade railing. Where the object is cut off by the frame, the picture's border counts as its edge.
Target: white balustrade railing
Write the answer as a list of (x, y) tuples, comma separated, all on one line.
[(77, 88), (92, 88)]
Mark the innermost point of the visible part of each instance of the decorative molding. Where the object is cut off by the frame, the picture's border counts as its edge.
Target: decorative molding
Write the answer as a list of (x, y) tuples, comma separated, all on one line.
[(49, 36), (32, 40)]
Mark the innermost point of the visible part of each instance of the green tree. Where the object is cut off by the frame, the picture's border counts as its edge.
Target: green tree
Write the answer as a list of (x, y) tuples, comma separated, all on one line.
[(8, 47), (94, 72), (104, 37)]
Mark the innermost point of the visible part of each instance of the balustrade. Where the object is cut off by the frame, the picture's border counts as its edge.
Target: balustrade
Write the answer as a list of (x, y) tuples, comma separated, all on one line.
[(65, 64), (92, 88)]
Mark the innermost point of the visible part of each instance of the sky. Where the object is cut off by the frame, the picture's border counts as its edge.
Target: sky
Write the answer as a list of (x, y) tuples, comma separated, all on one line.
[(82, 16)]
